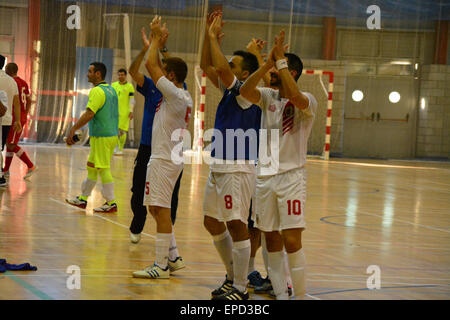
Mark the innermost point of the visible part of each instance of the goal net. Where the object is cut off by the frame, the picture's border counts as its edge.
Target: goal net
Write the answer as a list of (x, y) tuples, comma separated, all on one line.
[(317, 82)]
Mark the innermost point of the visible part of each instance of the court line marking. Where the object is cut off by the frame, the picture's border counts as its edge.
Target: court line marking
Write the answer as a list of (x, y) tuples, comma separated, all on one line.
[(122, 225), (315, 298), (375, 290), (361, 277), (395, 219), (40, 294), (66, 204), (98, 216)]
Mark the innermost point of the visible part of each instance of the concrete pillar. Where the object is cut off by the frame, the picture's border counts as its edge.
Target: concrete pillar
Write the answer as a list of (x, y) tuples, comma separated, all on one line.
[(441, 42), (329, 38)]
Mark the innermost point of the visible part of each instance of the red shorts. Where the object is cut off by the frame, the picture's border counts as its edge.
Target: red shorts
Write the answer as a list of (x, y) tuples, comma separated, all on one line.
[(13, 136)]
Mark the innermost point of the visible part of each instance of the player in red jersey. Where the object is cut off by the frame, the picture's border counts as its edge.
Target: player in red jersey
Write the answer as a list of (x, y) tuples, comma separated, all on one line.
[(14, 136)]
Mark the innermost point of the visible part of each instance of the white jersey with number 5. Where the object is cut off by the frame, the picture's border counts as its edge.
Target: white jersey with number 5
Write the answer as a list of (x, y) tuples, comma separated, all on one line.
[(294, 127)]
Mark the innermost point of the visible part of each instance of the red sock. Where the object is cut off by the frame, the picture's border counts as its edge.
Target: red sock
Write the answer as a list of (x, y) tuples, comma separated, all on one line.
[(23, 156), (8, 159)]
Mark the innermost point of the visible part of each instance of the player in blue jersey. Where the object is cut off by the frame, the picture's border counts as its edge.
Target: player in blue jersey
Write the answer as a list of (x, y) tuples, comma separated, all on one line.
[(153, 96), (230, 185)]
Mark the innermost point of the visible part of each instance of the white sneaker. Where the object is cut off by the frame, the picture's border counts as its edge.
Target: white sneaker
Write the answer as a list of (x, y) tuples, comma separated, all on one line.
[(135, 238), (153, 272), (30, 172), (107, 208), (177, 264)]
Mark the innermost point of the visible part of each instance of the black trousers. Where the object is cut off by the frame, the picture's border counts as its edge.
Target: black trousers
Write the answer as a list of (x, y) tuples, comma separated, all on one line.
[(138, 188), (5, 132)]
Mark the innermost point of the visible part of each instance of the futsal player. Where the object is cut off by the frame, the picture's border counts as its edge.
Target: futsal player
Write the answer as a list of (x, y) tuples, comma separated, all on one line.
[(125, 95), (13, 136), (147, 88), (230, 186), (281, 185), (172, 114), (102, 114)]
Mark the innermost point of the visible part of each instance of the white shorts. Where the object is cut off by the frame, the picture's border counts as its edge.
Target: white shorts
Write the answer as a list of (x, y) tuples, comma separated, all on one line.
[(162, 176), (280, 201), (227, 195)]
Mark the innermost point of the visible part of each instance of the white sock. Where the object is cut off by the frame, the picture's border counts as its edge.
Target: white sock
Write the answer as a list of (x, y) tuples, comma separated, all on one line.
[(241, 256), (297, 264), (287, 271), (251, 265), (108, 191), (265, 253), (87, 186), (276, 274), (224, 246), (173, 250), (162, 249)]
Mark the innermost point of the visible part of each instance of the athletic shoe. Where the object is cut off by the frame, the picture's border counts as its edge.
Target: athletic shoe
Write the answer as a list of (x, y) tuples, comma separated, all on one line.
[(153, 272), (224, 288), (264, 288), (272, 294), (3, 182), (233, 294), (107, 208), (30, 172), (176, 264), (255, 279), (135, 238), (77, 202)]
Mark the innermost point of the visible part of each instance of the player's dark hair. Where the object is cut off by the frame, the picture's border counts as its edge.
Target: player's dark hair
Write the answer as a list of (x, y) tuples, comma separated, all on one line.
[(11, 68), (2, 61), (294, 63), (177, 66), (123, 71), (98, 66), (249, 62)]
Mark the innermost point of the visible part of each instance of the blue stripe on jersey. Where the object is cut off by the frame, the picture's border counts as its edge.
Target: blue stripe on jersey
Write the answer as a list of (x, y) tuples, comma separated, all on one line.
[(230, 115)]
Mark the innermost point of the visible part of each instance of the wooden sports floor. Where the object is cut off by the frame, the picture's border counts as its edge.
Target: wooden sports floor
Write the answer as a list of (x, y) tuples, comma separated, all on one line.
[(392, 214)]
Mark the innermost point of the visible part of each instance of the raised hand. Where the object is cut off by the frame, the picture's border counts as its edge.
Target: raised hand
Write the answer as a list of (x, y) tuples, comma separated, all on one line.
[(215, 30), (155, 27), (255, 46), (279, 48)]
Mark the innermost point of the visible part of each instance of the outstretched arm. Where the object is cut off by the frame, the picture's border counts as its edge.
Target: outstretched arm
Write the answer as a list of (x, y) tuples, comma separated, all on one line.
[(248, 89), (219, 61), (135, 65), (290, 87), (153, 64), (206, 62)]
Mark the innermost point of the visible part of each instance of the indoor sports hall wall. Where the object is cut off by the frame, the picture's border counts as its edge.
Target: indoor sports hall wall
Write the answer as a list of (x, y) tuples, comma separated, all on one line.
[(403, 51)]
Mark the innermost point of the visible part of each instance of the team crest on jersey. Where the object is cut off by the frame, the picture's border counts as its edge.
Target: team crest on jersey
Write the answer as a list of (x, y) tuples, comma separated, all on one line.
[(272, 108), (288, 117)]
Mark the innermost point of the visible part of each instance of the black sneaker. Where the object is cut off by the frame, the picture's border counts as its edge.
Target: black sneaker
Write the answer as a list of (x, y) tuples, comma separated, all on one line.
[(224, 288), (255, 279), (265, 288), (3, 182), (234, 294)]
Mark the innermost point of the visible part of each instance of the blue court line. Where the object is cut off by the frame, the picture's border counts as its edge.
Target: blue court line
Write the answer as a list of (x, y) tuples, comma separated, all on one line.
[(41, 295), (366, 289)]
